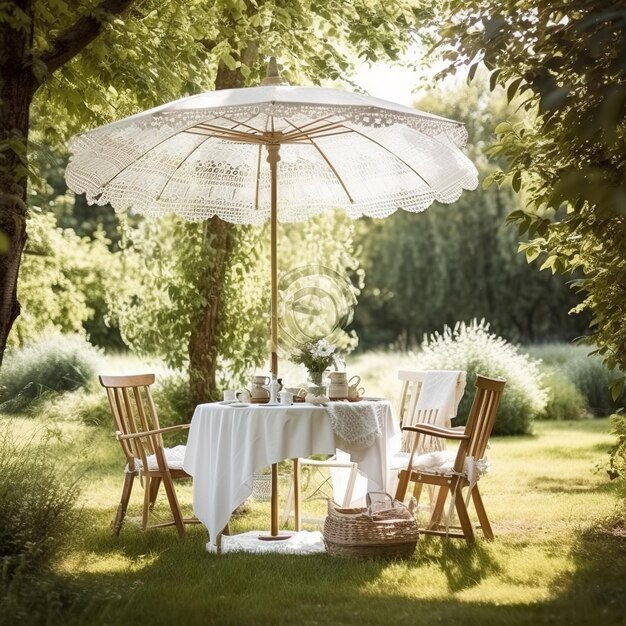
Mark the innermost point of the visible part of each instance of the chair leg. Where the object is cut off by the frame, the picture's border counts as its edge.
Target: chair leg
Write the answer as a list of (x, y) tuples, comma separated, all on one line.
[(440, 502), (173, 500), (154, 490), (482, 514), (297, 523), (288, 501), (403, 485), (417, 491), (347, 497), (464, 519), (147, 486), (123, 505)]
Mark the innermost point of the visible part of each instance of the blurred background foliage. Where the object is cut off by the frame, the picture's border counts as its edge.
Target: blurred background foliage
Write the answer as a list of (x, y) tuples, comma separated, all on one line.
[(459, 262)]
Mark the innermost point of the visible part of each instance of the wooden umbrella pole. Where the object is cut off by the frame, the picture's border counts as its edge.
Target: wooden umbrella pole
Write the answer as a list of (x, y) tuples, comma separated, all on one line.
[(273, 157)]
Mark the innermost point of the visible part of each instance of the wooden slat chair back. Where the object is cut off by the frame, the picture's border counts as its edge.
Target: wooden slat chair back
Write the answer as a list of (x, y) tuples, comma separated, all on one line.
[(481, 418), (141, 437), (473, 440), (409, 414)]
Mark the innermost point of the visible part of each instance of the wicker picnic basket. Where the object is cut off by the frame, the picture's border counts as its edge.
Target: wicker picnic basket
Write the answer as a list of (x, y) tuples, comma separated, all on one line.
[(387, 530)]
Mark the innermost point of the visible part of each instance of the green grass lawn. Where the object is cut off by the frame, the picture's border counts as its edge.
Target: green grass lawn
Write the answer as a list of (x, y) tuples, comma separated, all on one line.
[(556, 559)]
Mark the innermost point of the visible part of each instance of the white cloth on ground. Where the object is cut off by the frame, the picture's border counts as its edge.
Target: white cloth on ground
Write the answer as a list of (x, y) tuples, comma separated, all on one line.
[(303, 542)]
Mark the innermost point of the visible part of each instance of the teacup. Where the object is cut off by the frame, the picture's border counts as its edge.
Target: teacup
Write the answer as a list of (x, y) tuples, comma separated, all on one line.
[(243, 396), (354, 392), (229, 395), (286, 397), (298, 392)]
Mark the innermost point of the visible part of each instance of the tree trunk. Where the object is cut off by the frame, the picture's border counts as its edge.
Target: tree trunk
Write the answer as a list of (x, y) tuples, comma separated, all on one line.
[(18, 85), (17, 88), (203, 343), (218, 244)]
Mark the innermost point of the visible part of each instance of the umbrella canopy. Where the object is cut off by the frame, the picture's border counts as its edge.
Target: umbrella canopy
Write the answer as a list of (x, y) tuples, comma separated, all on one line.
[(217, 153)]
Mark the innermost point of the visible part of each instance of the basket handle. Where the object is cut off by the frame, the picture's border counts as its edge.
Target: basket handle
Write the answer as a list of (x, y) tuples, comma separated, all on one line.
[(373, 508), (385, 503)]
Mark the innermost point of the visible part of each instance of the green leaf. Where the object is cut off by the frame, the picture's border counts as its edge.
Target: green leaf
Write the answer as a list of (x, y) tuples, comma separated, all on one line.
[(617, 388), (502, 127), (549, 263), (228, 60), (472, 72), (493, 79), (532, 254), (511, 90)]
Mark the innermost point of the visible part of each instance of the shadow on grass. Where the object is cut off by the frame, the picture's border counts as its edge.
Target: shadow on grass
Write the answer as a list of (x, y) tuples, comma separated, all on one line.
[(175, 581), (464, 566), (567, 485)]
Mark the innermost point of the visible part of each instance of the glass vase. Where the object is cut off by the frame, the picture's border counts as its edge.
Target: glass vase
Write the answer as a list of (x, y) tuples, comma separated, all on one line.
[(317, 389)]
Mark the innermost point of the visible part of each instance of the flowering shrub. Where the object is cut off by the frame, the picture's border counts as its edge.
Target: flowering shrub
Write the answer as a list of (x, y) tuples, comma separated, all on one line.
[(317, 356), (473, 348)]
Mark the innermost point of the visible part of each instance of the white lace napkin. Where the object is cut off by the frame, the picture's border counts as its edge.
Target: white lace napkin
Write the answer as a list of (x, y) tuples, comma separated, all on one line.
[(358, 423)]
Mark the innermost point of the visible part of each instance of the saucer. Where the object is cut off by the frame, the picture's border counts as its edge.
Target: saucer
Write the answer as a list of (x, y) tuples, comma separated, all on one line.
[(239, 404), (227, 401)]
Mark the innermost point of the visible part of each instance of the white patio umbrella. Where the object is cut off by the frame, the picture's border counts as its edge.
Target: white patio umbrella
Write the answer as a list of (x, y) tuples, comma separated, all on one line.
[(218, 153)]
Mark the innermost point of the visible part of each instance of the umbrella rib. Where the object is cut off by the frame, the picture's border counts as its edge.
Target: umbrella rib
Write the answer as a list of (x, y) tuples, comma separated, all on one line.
[(318, 126), (323, 155), (226, 129), (243, 138), (224, 133), (297, 137), (243, 123), (145, 152), (258, 178), (169, 178), (325, 118), (393, 154)]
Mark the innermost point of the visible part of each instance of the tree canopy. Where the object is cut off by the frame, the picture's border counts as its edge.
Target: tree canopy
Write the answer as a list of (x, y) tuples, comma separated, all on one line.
[(564, 64)]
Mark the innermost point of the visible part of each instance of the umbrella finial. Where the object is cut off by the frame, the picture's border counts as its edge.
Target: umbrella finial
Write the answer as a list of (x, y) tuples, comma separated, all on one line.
[(273, 76)]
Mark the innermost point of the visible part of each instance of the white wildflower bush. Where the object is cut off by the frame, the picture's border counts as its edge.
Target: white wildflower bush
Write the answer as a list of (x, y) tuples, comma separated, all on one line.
[(471, 347)]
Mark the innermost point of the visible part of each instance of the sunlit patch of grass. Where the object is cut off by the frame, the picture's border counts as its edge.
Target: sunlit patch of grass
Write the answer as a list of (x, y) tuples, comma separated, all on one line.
[(554, 559), (94, 563)]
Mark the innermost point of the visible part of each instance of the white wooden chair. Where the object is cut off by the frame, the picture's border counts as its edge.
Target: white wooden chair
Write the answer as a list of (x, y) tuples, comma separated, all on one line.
[(427, 397), (438, 406)]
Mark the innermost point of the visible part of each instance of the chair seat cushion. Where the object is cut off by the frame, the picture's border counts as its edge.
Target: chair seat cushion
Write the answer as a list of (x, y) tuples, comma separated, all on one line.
[(174, 457), (438, 462)]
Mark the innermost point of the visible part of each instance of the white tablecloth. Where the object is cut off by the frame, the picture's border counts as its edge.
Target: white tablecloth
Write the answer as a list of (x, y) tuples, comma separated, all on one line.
[(226, 445)]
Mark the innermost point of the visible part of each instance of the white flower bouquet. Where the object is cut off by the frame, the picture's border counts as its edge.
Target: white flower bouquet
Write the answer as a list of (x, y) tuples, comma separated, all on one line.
[(317, 356)]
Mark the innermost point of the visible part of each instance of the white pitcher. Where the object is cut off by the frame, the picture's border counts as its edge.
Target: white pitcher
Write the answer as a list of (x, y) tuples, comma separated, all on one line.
[(338, 388)]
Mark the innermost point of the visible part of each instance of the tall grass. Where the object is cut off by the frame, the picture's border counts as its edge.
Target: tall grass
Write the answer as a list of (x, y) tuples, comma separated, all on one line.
[(38, 519), (55, 364)]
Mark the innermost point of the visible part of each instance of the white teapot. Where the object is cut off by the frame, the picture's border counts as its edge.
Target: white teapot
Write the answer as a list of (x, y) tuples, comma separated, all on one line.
[(259, 394)]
